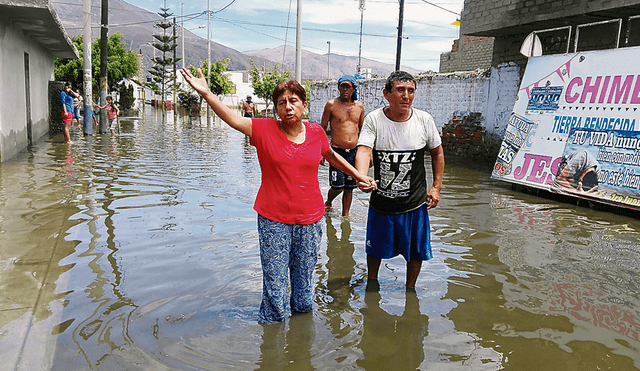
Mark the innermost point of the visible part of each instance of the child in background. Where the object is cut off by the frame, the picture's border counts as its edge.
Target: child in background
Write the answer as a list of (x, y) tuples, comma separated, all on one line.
[(112, 113)]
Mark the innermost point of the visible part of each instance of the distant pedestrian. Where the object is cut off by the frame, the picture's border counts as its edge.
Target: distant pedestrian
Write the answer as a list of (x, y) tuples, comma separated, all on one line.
[(344, 115), (113, 112), (66, 99), (248, 107), (77, 103)]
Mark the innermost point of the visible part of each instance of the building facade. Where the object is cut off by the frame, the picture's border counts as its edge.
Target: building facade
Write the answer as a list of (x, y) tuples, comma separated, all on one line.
[(562, 26), (31, 36)]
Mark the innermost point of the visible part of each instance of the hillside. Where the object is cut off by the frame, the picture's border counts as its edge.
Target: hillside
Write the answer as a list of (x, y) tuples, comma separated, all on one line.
[(315, 65), (137, 27)]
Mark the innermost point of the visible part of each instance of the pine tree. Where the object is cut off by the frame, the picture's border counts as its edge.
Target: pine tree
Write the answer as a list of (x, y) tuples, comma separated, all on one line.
[(163, 70)]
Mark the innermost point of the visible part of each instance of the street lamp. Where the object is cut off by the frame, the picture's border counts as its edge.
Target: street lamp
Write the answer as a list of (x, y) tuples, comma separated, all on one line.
[(329, 60), (188, 29), (154, 57)]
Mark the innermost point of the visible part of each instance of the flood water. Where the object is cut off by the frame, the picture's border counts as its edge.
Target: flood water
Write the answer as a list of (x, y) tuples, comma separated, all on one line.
[(140, 252)]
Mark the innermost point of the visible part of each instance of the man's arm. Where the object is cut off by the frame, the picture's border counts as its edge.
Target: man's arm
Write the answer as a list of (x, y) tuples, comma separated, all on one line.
[(326, 115), (437, 166), (361, 119), (363, 157)]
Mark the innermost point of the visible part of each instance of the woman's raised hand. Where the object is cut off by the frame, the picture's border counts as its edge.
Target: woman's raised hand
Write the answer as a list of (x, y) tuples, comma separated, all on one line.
[(198, 83)]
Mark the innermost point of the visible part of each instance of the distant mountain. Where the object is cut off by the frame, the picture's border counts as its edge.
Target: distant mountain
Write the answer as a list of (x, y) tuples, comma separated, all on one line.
[(137, 27), (314, 66)]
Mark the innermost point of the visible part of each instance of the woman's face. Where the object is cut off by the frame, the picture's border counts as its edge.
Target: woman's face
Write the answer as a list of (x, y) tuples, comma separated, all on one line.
[(290, 108)]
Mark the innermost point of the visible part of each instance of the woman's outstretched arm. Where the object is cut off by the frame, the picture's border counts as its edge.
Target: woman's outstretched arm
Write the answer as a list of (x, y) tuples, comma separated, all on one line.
[(199, 83)]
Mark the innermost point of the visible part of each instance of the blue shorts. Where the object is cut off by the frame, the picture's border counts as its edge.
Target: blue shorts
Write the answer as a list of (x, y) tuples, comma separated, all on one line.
[(338, 179), (406, 234)]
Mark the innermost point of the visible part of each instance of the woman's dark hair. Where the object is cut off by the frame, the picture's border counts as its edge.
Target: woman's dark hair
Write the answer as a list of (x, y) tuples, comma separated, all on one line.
[(291, 85), (67, 84)]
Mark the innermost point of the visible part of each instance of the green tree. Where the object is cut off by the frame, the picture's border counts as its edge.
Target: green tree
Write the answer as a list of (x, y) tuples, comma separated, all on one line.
[(163, 69), (264, 81), (126, 96), (219, 83), (121, 64)]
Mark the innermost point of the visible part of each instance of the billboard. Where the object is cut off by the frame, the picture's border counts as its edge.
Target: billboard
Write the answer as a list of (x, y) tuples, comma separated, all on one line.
[(575, 127)]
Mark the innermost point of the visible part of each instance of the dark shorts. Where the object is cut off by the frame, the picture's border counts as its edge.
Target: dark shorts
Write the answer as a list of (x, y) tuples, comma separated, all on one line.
[(248, 114), (406, 234), (338, 179)]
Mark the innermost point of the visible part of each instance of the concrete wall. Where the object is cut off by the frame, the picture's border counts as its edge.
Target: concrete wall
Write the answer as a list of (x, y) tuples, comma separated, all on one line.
[(485, 96), (13, 102)]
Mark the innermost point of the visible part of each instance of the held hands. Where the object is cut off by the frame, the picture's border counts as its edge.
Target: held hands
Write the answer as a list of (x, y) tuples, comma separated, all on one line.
[(368, 185), (198, 83)]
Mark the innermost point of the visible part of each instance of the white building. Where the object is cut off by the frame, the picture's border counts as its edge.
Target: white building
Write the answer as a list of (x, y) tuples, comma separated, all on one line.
[(241, 80), (31, 36)]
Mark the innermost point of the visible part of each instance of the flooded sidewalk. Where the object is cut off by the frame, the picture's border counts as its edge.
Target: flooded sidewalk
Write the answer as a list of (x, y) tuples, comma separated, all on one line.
[(139, 251)]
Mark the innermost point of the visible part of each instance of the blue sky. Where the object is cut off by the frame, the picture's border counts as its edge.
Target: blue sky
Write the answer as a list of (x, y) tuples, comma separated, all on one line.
[(249, 25)]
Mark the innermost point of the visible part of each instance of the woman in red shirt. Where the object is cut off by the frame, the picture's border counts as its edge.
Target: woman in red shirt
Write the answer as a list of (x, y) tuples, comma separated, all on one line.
[(289, 202)]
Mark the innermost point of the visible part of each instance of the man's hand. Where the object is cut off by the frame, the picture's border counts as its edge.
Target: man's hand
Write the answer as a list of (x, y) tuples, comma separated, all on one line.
[(433, 197), (369, 185)]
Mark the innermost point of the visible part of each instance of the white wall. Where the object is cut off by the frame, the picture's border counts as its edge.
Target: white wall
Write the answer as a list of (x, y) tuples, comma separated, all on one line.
[(13, 109), (242, 90), (491, 92)]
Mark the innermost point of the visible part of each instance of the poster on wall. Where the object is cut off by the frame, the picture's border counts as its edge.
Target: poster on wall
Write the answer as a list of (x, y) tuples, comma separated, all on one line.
[(575, 127)]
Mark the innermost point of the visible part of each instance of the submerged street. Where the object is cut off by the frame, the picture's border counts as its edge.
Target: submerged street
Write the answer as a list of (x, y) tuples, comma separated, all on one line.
[(139, 251)]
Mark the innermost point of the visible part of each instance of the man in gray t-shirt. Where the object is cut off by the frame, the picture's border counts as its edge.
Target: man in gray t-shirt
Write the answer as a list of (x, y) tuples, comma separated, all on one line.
[(396, 138)]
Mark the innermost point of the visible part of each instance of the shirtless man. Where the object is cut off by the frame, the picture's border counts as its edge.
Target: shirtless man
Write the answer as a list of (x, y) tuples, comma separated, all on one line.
[(247, 107), (345, 115)]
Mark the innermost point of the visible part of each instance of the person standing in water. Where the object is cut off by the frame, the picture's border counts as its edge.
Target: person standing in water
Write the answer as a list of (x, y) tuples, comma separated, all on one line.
[(398, 137), (344, 115), (289, 202)]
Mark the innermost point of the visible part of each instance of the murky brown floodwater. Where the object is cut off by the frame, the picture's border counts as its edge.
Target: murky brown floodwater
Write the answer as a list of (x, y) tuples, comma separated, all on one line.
[(139, 252)]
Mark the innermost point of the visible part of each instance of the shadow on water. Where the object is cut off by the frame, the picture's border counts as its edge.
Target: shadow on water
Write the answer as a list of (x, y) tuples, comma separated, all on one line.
[(139, 251)]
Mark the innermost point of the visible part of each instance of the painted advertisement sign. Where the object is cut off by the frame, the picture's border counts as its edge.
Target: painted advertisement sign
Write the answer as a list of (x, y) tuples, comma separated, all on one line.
[(575, 127)]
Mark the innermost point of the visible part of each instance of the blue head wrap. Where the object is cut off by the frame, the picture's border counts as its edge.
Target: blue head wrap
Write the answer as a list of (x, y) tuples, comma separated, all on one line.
[(354, 83)]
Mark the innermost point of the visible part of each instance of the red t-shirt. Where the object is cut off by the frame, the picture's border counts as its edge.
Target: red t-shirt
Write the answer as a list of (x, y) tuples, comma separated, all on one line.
[(290, 191)]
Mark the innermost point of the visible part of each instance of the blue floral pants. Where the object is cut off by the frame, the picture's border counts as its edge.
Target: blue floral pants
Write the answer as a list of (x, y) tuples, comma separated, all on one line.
[(287, 251)]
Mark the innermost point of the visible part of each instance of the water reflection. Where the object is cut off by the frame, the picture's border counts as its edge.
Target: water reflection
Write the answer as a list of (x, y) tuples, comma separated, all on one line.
[(140, 251), (287, 346), (392, 342)]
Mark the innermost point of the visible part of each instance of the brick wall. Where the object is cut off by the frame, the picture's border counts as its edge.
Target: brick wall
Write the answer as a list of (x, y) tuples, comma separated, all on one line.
[(477, 52), (488, 95), (510, 21)]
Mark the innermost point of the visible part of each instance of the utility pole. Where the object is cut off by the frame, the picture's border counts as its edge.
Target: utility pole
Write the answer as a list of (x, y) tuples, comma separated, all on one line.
[(329, 60), (299, 43), (182, 26), (87, 124), (104, 40), (208, 53), (400, 21), (175, 66), (360, 46)]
